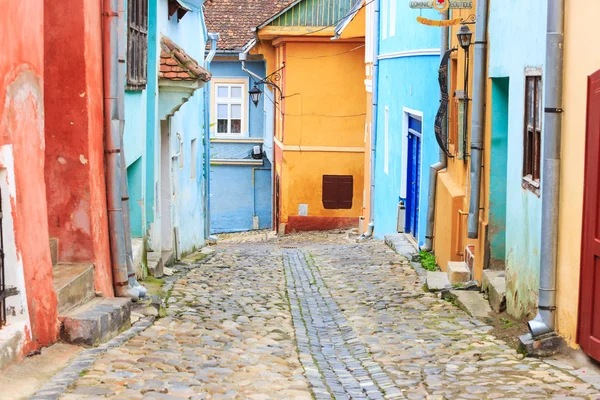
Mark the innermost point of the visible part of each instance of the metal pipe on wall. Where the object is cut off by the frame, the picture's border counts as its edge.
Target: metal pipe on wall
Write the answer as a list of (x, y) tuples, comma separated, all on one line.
[(113, 121), (213, 37), (443, 162), (478, 117), (545, 319), (374, 95)]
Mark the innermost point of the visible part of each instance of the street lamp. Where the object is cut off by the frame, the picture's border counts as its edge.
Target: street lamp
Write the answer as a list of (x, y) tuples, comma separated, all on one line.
[(255, 94), (464, 35)]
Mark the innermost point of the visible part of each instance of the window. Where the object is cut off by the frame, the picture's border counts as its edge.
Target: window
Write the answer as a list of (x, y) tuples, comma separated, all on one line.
[(193, 155), (532, 135), (229, 108), (338, 191), (137, 44)]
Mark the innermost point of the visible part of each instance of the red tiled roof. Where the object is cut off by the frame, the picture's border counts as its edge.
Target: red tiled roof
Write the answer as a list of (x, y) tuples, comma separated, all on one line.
[(176, 65), (234, 19)]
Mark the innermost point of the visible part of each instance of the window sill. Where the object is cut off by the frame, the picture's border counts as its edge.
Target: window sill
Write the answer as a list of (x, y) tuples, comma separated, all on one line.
[(531, 185)]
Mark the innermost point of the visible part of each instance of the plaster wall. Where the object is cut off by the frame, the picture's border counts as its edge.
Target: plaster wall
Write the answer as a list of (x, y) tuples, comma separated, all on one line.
[(74, 123), (581, 34), (523, 213), (22, 126)]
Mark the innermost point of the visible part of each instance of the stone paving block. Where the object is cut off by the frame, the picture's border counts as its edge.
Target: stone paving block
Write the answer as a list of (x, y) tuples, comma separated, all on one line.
[(494, 283), (471, 302), (458, 272)]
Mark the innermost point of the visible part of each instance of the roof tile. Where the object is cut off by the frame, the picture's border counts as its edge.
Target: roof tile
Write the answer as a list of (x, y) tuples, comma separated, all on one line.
[(176, 64)]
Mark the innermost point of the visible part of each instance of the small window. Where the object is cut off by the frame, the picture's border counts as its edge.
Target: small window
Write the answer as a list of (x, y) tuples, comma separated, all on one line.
[(338, 191), (532, 132), (137, 44), (229, 102), (193, 154)]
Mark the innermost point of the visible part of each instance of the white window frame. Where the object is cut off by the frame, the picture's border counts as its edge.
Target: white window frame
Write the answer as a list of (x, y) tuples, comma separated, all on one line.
[(215, 83), (384, 19)]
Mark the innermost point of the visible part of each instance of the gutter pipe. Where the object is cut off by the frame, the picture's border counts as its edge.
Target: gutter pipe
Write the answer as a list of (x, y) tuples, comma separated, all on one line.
[(478, 117), (244, 55), (114, 122), (443, 162), (213, 37), (374, 95), (544, 322)]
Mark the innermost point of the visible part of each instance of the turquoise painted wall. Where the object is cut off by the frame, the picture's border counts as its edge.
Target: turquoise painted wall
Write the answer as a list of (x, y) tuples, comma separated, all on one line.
[(524, 208), (187, 212), (134, 175), (498, 167), (404, 82)]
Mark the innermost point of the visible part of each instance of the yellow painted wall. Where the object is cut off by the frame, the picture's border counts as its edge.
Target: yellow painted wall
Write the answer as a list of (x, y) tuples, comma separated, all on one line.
[(324, 108), (303, 172), (582, 39)]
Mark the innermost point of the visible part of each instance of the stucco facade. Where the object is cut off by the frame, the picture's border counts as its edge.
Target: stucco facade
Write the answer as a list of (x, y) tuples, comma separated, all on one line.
[(409, 56)]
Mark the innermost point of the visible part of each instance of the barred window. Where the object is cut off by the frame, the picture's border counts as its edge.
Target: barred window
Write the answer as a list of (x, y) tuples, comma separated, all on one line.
[(137, 44), (532, 141)]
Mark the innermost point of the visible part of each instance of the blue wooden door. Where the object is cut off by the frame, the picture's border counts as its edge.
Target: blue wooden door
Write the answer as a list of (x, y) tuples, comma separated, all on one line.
[(413, 180)]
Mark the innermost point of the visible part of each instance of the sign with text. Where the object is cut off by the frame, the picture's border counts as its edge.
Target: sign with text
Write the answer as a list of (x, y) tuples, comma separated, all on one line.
[(441, 4)]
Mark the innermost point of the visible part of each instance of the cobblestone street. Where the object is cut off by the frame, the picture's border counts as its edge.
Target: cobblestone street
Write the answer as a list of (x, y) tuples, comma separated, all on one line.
[(316, 316)]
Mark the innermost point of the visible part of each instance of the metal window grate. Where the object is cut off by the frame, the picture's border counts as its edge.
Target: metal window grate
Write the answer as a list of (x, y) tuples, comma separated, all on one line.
[(2, 275), (137, 44)]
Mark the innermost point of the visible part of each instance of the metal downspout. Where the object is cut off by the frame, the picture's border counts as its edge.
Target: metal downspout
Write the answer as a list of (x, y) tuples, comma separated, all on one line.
[(374, 95), (440, 165), (478, 116), (113, 121), (544, 321), (214, 37)]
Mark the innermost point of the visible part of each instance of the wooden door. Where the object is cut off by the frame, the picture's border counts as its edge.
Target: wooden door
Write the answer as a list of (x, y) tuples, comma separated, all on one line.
[(589, 294), (413, 180)]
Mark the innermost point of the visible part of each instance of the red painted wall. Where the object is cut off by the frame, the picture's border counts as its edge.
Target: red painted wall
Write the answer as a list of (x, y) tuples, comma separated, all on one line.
[(22, 125), (75, 184)]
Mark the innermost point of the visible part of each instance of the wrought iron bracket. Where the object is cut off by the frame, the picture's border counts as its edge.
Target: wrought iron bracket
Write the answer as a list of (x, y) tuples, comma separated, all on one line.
[(271, 79)]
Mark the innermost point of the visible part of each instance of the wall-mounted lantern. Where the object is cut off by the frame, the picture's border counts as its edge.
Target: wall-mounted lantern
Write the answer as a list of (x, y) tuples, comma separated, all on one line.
[(255, 94)]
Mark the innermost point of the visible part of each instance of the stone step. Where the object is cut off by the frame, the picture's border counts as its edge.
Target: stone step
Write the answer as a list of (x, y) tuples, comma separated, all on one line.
[(494, 283), (54, 251), (155, 264), (74, 285), (437, 281), (96, 322), (458, 272)]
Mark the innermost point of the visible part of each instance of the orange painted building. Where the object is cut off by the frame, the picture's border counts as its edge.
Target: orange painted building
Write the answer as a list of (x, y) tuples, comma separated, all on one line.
[(320, 120)]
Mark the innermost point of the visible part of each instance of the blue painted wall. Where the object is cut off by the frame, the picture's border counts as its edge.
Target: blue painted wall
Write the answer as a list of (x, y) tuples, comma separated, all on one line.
[(405, 81), (235, 198), (134, 176), (232, 203), (524, 209)]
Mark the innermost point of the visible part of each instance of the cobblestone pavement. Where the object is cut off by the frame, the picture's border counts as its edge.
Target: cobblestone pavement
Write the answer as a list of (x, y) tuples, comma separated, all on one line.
[(316, 315)]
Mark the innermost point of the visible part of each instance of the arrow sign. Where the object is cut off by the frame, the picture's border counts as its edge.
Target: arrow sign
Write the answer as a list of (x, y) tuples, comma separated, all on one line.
[(441, 4)]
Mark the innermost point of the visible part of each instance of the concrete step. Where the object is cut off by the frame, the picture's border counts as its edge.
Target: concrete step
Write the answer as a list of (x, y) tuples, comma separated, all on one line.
[(400, 244), (96, 322), (458, 272), (494, 283), (469, 301), (74, 285), (54, 251), (155, 264), (437, 281)]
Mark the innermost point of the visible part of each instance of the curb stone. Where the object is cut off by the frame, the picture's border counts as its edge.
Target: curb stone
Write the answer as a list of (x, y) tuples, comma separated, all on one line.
[(60, 382)]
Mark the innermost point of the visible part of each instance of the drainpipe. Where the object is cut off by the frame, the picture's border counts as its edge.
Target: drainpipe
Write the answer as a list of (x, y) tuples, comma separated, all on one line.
[(213, 37), (478, 117), (440, 165), (113, 121), (544, 321), (374, 95), (244, 55)]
